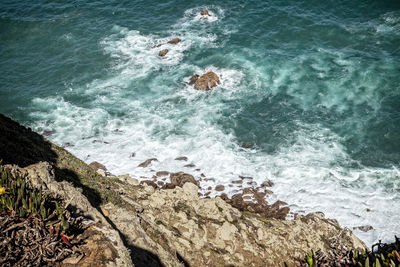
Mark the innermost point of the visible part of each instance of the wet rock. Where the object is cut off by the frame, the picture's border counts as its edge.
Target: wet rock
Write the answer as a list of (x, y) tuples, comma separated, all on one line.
[(147, 162), (191, 165), (47, 133), (364, 228), (247, 145), (205, 12), (162, 173), (180, 178), (193, 79), (163, 52), (182, 158), (207, 81), (267, 184), (219, 188), (174, 41), (100, 141), (237, 182), (97, 166), (67, 144)]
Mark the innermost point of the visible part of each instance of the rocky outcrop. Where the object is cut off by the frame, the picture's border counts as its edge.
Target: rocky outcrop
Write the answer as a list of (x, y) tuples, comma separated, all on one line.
[(174, 41), (99, 168), (182, 158), (143, 225), (205, 12), (180, 178), (163, 52), (210, 232), (103, 245), (193, 79), (207, 81), (147, 162)]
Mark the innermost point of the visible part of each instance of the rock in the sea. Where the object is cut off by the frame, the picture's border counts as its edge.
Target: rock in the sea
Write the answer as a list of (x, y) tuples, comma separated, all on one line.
[(207, 81), (174, 41), (180, 178), (267, 184), (163, 52), (219, 188), (364, 228), (193, 79), (182, 158), (191, 165), (205, 12), (162, 173), (147, 162)]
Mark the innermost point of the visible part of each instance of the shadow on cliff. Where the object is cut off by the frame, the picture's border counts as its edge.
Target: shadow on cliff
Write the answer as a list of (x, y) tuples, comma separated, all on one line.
[(23, 147)]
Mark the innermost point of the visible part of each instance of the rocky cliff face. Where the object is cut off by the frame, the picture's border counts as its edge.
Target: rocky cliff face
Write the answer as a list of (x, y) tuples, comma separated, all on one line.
[(139, 225)]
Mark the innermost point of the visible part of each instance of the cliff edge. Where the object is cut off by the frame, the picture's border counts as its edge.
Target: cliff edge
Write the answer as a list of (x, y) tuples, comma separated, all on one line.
[(134, 224)]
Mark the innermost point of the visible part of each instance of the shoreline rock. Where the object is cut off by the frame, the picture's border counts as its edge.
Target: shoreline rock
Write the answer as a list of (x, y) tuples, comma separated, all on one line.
[(147, 162), (149, 226)]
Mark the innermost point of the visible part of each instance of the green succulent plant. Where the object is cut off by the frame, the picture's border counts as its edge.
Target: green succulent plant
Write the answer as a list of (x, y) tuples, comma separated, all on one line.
[(25, 201)]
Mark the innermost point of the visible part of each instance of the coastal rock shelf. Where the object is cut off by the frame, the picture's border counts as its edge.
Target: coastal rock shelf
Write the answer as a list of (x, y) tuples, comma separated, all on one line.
[(147, 226)]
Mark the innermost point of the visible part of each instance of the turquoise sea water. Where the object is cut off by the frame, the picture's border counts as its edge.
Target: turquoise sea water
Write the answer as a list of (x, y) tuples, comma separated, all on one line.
[(310, 94)]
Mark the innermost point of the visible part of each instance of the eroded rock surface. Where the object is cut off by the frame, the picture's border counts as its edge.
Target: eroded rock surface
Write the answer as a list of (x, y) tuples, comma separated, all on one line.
[(163, 52), (210, 232), (205, 12), (148, 226), (180, 178), (147, 162), (207, 81), (174, 41)]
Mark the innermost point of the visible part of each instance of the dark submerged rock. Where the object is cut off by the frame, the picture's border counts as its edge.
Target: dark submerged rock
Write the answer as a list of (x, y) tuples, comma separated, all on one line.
[(147, 162)]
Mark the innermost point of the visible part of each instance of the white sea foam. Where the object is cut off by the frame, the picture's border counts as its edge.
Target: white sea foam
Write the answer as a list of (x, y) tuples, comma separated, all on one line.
[(193, 15)]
